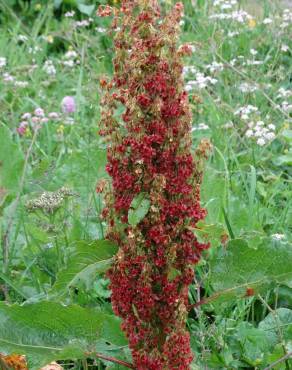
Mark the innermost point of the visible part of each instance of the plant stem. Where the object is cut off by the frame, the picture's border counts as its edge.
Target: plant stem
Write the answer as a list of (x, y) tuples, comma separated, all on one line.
[(111, 359), (284, 358)]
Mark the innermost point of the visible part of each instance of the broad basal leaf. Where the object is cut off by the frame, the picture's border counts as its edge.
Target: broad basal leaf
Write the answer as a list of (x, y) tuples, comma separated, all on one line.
[(239, 270), (49, 331), (87, 260)]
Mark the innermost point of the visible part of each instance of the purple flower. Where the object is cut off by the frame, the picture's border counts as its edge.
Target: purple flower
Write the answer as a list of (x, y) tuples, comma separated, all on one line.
[(21, 129), (39, 112), (68, 105)]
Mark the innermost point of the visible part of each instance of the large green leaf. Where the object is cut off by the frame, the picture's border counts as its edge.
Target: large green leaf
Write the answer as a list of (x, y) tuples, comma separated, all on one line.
[(11, 162), (239, 269), (50, 331), (87, 260)]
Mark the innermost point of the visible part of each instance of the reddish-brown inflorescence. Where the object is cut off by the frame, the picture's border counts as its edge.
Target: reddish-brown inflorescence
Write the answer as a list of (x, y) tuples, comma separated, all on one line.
[(149, 153)]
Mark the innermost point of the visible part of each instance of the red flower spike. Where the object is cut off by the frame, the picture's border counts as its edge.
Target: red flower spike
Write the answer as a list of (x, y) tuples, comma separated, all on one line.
[(150, 153)]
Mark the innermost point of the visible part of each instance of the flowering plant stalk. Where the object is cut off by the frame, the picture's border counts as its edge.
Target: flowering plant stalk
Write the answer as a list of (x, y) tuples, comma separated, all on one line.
[(154, 200)]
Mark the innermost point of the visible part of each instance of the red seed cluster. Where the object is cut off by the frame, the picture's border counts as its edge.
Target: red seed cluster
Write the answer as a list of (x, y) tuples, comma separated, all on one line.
[(147, 120)]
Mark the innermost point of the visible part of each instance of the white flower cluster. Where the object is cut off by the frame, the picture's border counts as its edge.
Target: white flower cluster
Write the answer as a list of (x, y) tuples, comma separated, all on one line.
[(83, 23), (69, 14), (225, 4), (246, 87), (201, 126), (9, 79), (70, 59), (34, 49), (189, 69), (287, 18), (22, 84), (245, 111), (239, 16), (278, 236), (49, 68), (232, 33), (100, 29), (284, 48), (267, 21), (257, 129), (3, 62), (200, 82), (22, 38), (260, 132), (286, 106), (285, 94), (215, 67)]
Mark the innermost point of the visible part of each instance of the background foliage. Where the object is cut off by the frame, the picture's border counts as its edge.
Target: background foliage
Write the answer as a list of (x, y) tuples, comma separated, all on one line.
[(53, 258)]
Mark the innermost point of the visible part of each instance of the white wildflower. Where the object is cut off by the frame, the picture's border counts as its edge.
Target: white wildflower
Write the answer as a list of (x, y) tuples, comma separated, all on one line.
[(215, 67), (267, 21), (3, 62), (261, 141), (278, 236), (69, 14), (22, 84), (49, 68)]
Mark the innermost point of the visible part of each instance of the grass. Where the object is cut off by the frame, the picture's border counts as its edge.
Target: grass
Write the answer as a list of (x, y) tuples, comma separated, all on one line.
[(247, 183)]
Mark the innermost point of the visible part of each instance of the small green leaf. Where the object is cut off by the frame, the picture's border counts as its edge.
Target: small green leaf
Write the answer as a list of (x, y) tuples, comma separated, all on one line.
[(212, 233), (138, 209), (85, 9), (287, 134), (284, 160), (173, 273), (57, 3)]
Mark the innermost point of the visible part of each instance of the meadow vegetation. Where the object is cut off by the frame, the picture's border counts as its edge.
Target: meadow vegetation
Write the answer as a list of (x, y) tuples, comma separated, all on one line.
[(54, 297)]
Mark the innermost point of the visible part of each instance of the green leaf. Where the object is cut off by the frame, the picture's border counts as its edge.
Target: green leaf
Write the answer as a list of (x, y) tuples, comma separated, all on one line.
[(287, 134), (281, 321), (212, 233), (85, 9), (89, 162), (238, 267), (57, 3), (138, 209), (284, 160), (254, 343), (49, 331), (88, 260), (11, 162), (173, 273)]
